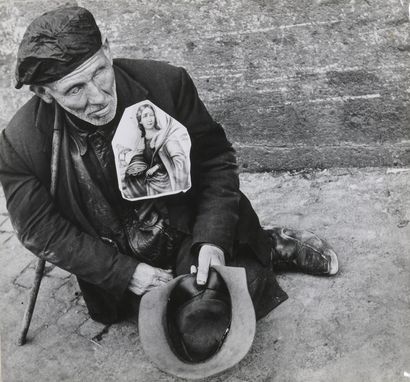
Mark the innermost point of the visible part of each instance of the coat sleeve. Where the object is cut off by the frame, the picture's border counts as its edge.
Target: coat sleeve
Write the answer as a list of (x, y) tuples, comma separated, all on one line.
[(46, 233), (214, 171)]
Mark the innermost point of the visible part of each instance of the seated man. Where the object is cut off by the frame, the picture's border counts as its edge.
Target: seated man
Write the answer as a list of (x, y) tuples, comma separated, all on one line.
[(118, 248)]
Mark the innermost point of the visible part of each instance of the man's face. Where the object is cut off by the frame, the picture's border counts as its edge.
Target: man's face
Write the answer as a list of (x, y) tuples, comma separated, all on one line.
[(89, 91)]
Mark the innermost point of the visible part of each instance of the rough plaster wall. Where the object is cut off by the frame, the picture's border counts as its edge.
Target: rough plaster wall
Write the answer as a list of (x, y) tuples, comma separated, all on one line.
[(296, 83)]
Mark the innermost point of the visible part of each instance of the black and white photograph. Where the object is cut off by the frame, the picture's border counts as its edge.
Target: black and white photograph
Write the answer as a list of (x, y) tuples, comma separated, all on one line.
[(204, 190)]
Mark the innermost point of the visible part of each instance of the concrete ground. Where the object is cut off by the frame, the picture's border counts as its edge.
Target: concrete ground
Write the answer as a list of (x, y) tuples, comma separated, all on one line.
[(352, 327)]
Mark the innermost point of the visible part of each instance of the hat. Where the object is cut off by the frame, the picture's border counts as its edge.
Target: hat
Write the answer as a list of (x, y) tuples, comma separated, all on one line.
[(193, 331), (56, 43)]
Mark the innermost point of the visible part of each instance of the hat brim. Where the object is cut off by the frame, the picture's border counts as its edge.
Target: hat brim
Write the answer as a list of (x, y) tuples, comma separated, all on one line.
[(153, 332)]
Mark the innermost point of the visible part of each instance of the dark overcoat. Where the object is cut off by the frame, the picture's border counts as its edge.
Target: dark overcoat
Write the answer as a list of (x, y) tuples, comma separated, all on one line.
[(213, 211)]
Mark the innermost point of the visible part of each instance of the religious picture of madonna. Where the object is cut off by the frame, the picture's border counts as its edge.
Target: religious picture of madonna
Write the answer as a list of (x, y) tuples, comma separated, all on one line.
[(151, 151)]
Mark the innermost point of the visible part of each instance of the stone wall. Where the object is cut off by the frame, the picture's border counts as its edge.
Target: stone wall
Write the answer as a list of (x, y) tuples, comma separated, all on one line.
[(296, 83)]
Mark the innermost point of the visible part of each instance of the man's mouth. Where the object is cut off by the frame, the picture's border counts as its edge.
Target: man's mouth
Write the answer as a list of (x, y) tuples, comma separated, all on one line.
[(101, 112)]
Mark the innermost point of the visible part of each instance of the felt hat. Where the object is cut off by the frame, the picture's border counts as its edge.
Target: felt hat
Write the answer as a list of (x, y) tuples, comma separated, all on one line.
[(56, 43), (193, 331)]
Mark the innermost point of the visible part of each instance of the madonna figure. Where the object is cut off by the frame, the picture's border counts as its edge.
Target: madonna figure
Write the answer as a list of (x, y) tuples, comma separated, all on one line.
[(162, 161)]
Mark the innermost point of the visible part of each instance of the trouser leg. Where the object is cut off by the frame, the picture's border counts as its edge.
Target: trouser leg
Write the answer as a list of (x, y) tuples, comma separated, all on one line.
[(103, 308), (263, 288)]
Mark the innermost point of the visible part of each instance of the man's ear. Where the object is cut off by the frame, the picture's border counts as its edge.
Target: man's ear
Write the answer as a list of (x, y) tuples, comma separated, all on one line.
[(42, 92), (106, 49)]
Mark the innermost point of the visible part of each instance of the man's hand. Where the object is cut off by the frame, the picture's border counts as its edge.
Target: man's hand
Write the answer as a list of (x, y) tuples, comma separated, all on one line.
[(208, 255), (147, 277)]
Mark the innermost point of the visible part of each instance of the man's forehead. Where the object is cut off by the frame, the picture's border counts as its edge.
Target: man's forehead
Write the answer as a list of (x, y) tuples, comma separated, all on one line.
[(82, 72)]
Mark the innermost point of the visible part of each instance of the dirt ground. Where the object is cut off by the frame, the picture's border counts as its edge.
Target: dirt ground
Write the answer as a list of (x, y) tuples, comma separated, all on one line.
[(351, 327)]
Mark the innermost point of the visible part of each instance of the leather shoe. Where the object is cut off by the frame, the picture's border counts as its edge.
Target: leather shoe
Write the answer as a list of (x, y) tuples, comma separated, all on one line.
[(302, 251)]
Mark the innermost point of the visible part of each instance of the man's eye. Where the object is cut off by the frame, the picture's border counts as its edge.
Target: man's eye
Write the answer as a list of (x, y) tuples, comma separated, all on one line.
[(74, 91), (99, 71)]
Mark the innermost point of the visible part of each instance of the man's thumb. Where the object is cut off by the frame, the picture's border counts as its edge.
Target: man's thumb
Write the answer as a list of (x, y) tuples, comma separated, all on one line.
[(202, 276), (203, 269)]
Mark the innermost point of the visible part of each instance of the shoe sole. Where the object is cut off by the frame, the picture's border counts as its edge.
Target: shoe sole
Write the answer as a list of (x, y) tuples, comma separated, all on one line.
[(334, 262)]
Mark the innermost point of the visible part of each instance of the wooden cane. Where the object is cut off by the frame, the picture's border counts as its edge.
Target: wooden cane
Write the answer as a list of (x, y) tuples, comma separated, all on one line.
[(55, 155)]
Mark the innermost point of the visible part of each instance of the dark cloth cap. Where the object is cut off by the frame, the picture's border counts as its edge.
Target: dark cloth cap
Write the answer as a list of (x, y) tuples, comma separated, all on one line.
[(198, 317), (56, 43)]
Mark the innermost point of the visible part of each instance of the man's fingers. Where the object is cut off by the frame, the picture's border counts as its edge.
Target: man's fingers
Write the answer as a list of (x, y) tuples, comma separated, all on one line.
[(156, 282), (163, 275), (217, 260), (160, 282), (203, 268), (202, 276)]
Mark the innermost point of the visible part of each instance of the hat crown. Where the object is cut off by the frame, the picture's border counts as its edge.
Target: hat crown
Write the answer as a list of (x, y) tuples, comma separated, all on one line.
[(198, 317), (55, 43)]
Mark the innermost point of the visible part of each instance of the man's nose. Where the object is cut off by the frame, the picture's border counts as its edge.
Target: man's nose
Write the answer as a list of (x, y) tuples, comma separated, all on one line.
[(95, 94)]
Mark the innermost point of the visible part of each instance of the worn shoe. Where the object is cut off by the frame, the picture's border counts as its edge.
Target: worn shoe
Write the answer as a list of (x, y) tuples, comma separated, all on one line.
[(302, 251)]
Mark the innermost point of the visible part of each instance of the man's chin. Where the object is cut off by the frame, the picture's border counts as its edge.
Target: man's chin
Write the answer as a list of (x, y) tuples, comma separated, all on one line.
[(100, 121), (97, 120)]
